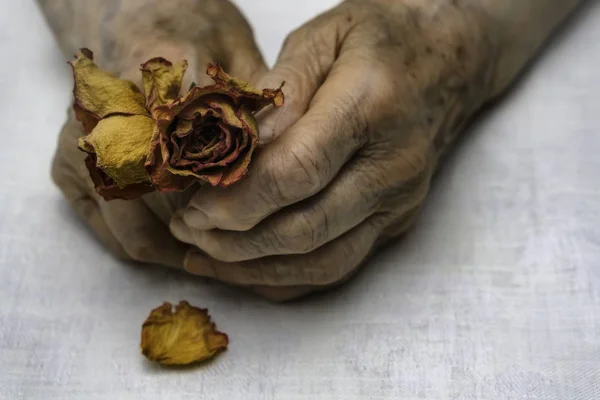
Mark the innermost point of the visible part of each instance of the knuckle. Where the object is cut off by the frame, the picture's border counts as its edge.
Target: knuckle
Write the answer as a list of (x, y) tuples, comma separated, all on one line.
[(308, 167), (292, 176), (211, 245), (303, 232), (139, 249), (316, 38), (313, 229), (294, 39), (381, 93), (239, 224), (224, 215), (356, 118), (414, 165), (349, 255), (322, 46)]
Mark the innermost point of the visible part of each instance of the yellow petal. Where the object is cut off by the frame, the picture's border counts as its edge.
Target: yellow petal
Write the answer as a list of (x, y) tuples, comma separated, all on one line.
[(99, 94), (121, 144), (181, 337), (162, 80)]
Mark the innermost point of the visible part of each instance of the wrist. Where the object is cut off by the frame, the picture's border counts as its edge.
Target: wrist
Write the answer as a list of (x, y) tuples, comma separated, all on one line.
[(521, 28)]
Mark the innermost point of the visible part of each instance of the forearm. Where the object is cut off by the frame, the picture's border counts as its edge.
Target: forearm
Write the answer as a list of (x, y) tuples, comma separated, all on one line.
[(522, 27)]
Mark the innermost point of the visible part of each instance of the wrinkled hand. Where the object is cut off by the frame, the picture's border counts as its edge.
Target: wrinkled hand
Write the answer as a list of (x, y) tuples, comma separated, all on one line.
[(138, 229), (375, 91)]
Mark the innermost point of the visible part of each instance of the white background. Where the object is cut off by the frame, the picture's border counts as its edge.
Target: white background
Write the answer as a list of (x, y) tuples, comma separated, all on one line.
[(494, 295)]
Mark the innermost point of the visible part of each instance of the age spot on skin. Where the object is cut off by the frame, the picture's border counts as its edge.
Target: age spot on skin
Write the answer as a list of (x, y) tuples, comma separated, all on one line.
[(166, 25), (460, 53)]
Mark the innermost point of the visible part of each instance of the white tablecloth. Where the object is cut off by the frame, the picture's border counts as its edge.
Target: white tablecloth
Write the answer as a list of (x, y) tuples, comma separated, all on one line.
[(494, 295)]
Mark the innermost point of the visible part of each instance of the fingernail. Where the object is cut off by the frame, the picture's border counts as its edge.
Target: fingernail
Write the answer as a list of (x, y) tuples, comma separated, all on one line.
[(197, 219), (200, 264)]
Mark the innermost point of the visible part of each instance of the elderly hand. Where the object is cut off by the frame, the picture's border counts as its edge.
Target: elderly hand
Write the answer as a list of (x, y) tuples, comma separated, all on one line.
[(375, 92), (123, 35)]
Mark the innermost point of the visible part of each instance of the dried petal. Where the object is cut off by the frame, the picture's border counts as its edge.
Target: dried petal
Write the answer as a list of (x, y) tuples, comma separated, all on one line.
[(240, 168), (244, 89), (108, 189), (162, 80), (121, 145), (183, 337), (99, 94)]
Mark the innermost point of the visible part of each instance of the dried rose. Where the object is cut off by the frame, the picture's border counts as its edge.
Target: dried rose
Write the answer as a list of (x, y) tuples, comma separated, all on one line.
[(137, 142), (208, 134), (183, 337)]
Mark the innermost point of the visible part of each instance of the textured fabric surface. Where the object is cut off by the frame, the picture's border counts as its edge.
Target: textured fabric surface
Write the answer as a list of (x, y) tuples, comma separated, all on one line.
[(494, 295)]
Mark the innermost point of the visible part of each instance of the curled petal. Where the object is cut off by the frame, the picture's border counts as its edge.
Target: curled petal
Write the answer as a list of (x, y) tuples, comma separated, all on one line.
[(182, 337), (256, 99), (108, 189), (239, 91), (188, 105), (162, 80), (99, 94), (121, 145), (158, 168), (239, 169)]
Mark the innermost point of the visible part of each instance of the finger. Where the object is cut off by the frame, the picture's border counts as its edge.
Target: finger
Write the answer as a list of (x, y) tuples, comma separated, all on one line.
[(68, 174), (141, 233), (295, 166), (356, 194), (305, 60), (165, 204), (84, 205), (321, 267), (128, 228), (280, 294)]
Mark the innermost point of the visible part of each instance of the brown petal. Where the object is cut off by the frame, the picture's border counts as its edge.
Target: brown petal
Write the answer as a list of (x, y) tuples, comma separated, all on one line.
[(187, 105), (239, 169), (183, 337), (238, 91), (162, 80), (252, 97), (157, 166), (99, 94)]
